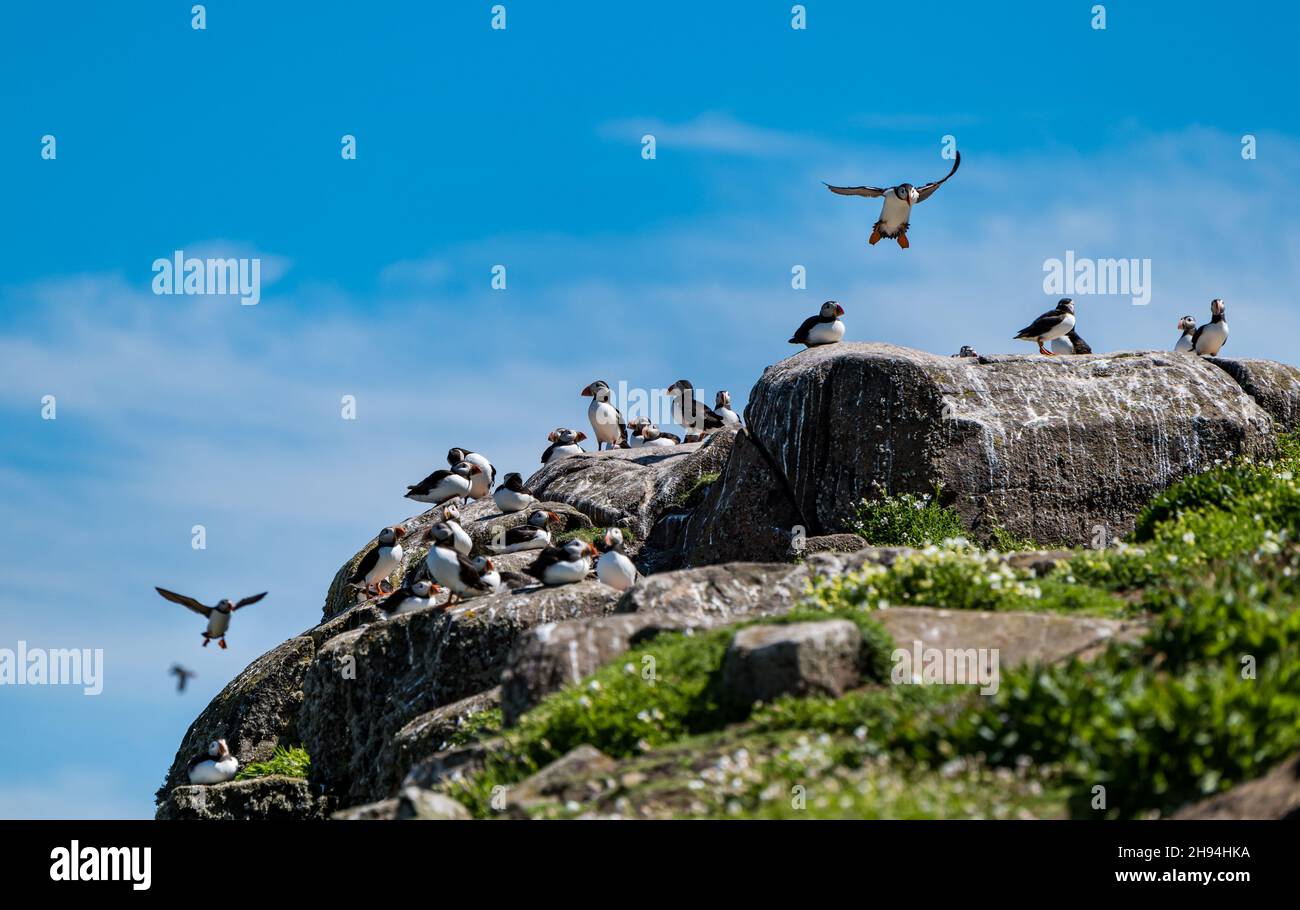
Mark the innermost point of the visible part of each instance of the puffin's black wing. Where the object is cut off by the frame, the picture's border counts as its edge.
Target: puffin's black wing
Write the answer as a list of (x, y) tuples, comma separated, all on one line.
[(925, 192), (515, 580), (188, 602), (1080, 346), (855, 190), (368, 562), (545, 559), (521, 534), (1196, 336), (801, 334), (677, 440), (424, 486), (256, 597), (394, 600), (1042, 325), (549, 449), (470, 576)]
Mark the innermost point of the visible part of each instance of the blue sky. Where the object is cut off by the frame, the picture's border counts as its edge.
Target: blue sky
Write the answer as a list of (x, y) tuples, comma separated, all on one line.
[(522, 147)]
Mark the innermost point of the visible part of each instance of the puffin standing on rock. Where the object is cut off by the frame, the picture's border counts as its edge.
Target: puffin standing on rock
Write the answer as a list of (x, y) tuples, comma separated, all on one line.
[(216, 766), (566, 564), (409, 597), (695, 417), (462, 543), (635, 426), (1070, 344), (1055, 323), (1210, 337), (532, 536), (481, 483), (613, 567), (218, 617), (653, 436), (606, 421), (722, 404), (380, 562), (448, 568), (444, 486), (1186, 325), (564, 442), (512, 496), (897, 210), (824, 328)]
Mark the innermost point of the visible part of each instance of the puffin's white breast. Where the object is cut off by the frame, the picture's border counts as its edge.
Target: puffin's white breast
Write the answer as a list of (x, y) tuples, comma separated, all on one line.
[(566, 573), (1212, 338), (894, 213), (1064, 327), (826, 332), (616, 570)]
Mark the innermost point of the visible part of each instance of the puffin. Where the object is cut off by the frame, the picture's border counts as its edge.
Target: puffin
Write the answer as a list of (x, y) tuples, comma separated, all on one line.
[(448, 568), (563, 565), (380, 562), (635, 427), (1210, 337), (1070, 344), (653, 436), (606, 421), (897, 210), (824, 328), (218, 616), (722, 405), (967, 351), (480, 484), (1186, 325), (216, 766), (182, 676), (512, 496), (409, 597), (613, 567), (564, 442), (498, 580), (1052, 324), (444, 486), (462, 542), (695, 417), (532, 536)]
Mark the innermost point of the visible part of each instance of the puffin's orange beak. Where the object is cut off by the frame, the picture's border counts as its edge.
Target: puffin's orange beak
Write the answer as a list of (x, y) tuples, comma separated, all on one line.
[(591, 550), (587, 391), (839, 310), (399, 531), (553, 516)]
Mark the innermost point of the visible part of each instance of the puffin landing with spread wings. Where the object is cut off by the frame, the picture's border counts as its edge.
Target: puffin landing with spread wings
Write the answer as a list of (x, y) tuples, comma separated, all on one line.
[(897, 210)]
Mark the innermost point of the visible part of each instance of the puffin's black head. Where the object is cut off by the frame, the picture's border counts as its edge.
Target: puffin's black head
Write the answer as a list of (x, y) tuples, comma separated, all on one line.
[(225, 605), (388, 536), (465, 469), (450, 513), (439, 533), (424, 588), (1065, 305), (1216, 306), (218, 748), (456, 456), (565, 437), (1187, 324), (907, 193), (613, 539), (723, 400), (598, 390), (831, 310), (578, 549), (682, 387), (513, 481)]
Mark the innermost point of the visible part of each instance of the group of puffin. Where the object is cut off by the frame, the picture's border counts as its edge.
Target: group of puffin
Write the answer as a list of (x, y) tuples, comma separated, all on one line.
[(1057, 326)]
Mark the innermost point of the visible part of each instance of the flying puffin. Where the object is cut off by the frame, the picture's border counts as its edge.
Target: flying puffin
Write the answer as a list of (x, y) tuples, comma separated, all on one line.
[(653, 436), (182, 676), (380, 562), (498, 580), (695, 417), (563, 565), (535, 535), (449, 569), (606, 421), (634, 427), (409, 597), (512, 495), (722, 404), (896, 211), (613, 567), (1186, 325), (480, 484), (564, 442), (1070, 344), (1052, 324), (463, 543), (824, 328), (218, 617), (444, 486), (1210, 337), (216, 766)]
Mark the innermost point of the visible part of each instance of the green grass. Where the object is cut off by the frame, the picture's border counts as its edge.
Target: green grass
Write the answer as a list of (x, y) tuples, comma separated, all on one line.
[(693, 495), (592, 535), (292, 762), (906, 520)]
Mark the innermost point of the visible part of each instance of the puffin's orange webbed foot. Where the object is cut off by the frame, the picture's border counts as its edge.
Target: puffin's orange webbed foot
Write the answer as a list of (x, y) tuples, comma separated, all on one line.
[(875, 238), (902, 241)]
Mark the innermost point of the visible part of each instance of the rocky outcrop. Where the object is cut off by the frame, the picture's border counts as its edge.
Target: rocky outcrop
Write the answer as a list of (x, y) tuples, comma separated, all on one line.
[(1047, 448), (806, 658), (254, 713), (1274, 386), (273, 798), (1276, 795), (364, 686)]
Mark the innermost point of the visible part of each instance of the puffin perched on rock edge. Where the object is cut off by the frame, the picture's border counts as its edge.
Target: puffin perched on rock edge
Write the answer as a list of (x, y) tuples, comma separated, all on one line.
[(1212, 336), (1055, 323), (824, 328), (216, 766)]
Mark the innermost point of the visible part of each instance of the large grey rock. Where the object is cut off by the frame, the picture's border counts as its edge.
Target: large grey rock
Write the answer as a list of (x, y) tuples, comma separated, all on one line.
[(806, 658), (1274, 386), (724, 592), (1276, 795), (364, 686), (432, 732), (266, 798), (254, 713), (574, 777), (1044, 447), (551, 656), (418, 804)]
